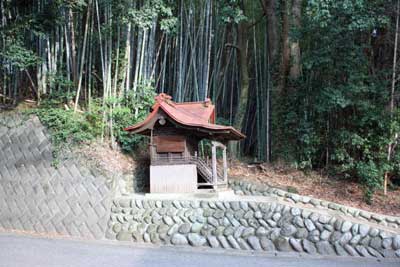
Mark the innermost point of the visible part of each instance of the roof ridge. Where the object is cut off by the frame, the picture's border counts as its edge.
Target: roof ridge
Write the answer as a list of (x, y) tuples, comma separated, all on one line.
[(208, 101)]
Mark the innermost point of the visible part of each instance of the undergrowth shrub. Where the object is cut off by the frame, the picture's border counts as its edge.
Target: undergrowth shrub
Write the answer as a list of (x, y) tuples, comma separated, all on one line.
[(70, 128)]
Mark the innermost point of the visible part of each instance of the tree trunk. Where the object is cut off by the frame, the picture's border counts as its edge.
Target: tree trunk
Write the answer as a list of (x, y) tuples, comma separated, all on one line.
[(272, 28), (244, 76), (209, 17), (295, 69), (73, 47), (285, 59)]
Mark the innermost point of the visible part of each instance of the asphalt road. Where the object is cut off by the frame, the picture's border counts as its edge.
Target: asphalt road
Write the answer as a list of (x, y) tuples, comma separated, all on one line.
[(25, 251)]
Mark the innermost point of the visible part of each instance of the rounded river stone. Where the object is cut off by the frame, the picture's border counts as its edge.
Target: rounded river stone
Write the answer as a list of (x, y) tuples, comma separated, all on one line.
[(374, 232), (313, 236), (298, 221), (301, 233), (396, 242), (179, 239), (309, 225), (212, 221), (288, 229), (196, 240), (325, 234), (219, 214), (168, 220), (196, 227), (363, 230), (184, 228), (346, 226), (376, 242), (267, 244), (248, 232), (308, 246), (213, 241), (282, 244), (261, 231), (387, 243), (254, 243), (325, 248), (350, 250), (117, 227), (296, 245), (340, 250)]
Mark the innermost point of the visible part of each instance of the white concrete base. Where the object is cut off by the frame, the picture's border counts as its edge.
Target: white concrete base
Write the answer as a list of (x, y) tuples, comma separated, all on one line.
[(173, 178), (198, 194)]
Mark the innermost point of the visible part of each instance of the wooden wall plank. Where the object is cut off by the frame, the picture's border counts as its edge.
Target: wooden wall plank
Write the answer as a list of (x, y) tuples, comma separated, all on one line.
[(170, 143)]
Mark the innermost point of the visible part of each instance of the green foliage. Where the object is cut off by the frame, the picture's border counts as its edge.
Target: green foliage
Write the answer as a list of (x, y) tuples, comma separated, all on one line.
[(336, 116), (123, 117), (371, 176), (60, 82), (135, 107), (17, 55), (354, 14), (230, 11), (150, 12), (56, 99), (68, 128), (141, 99), (292, 189)]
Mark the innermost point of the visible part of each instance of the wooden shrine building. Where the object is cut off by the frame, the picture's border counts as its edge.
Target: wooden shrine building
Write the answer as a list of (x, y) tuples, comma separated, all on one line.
[(175, 130)]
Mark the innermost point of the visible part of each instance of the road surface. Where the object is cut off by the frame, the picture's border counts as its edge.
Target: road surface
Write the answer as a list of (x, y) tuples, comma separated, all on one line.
[(21, 251)]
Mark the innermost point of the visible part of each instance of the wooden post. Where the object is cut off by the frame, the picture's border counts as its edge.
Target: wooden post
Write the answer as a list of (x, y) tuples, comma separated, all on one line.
[(225, 164), (151, 148), (214, 164)]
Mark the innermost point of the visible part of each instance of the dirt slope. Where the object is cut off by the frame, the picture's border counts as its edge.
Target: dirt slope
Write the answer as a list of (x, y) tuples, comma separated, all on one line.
[(318, 186)]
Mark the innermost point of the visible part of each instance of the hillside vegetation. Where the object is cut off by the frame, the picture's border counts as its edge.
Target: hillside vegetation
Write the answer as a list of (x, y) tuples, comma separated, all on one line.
[(311, 83)]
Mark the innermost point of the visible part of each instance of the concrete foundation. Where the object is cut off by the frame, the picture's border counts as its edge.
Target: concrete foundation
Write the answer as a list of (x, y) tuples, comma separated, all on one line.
[(173, 178), (199, 194)]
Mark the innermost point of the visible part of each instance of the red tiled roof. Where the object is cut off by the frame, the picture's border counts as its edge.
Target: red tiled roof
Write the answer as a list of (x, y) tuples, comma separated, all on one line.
[(189, 114)]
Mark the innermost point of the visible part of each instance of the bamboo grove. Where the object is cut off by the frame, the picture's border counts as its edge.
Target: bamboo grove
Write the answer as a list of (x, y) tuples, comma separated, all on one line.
[(313, 83)]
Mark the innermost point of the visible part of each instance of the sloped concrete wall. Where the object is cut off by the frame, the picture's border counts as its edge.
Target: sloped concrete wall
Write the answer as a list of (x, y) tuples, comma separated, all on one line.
[(36, 196), (248, 225)]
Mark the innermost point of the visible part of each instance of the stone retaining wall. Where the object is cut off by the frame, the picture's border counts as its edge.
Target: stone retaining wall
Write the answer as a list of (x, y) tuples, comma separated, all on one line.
[(253, 189), (246, 225), (36, 196)]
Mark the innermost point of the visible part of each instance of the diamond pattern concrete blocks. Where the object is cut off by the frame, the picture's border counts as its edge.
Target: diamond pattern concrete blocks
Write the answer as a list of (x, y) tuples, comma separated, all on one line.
[(35, 196)]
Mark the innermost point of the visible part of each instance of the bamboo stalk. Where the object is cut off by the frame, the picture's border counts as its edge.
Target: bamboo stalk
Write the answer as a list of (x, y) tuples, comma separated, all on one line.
[(392, 95), (82, 58)]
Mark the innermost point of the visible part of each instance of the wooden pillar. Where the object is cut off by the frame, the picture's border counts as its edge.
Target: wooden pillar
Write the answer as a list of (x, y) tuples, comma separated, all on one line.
[(151, 148), (225, 164), (214, 164)]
